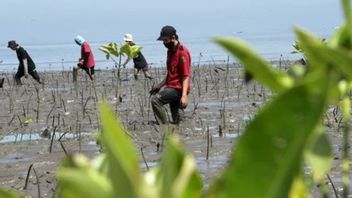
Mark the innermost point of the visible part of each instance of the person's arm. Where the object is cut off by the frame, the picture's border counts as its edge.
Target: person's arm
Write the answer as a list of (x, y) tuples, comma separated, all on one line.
[(155, 89), (185, 87), (84, 58), (162, 83), (186, 73), (25, 66)]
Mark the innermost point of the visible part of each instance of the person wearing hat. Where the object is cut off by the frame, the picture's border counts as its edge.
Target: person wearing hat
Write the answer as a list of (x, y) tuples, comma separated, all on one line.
[(139, 62), (26, 64), (86, 62), (176, 85)]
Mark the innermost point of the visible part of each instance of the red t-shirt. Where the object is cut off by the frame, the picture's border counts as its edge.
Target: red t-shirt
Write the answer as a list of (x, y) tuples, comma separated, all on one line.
[(87, 55), (178, 66)]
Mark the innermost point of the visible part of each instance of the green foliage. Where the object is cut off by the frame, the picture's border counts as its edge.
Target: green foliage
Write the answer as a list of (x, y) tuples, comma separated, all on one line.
[(117, 173), (269, 158), (110, 49), (8, 194), (257, 66), (113, 49)]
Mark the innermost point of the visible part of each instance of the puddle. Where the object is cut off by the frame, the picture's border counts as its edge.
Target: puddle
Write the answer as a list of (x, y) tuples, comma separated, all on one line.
[(59, 89), (219, 105), (35, 136)]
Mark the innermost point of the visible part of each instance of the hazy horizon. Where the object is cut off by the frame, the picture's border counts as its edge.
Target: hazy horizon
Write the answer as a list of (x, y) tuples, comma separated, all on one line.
[(48, 21)]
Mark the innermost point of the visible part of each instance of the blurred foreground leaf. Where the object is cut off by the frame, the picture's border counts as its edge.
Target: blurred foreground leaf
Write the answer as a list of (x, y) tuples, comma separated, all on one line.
[(254, 64), (123, 170), (179, 176), (8, 194), (269, 155)]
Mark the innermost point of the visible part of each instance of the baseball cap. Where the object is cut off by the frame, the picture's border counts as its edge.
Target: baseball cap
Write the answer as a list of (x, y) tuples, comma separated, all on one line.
[(166, 31), (128, 37), (11, 43)]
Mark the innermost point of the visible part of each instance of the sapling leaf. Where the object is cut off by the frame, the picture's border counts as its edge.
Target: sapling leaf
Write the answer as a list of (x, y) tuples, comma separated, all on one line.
[(269, 155), (339, 58), (123, 162), (319, 154), (258, 67), (299, 189), (78, 178), (8, 194), (178, 176)]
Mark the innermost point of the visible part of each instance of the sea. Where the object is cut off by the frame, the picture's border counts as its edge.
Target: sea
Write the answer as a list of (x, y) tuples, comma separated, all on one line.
[(62, 56)]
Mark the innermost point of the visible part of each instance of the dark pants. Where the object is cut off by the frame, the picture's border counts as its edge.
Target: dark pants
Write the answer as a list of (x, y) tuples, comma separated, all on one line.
[(89, 71), (20, 74), (167, 96)]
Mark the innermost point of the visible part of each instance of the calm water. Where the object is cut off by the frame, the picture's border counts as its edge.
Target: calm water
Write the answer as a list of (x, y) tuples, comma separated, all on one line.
[(47, 57)]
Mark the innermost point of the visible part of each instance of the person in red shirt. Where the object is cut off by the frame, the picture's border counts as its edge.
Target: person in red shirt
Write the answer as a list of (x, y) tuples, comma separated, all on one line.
[(86, 62), (176, 85)]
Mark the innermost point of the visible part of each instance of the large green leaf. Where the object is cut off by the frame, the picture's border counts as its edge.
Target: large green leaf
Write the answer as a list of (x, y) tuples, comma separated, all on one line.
[(83, 181), (255, 65), (122, 157), (8, 194), (270, 153), (299, 189), (319, 154), (130, 51), (336, 57), (178, 176)]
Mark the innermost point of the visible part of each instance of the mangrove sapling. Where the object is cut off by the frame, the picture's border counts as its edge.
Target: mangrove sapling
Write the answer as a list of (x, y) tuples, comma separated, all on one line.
[(208, 143), (38, 182), (27, 177), (333, 186), (206, 84), (52, 139), (220, 131), (62, 144), (145, 162), (195, 106), (51, 110), (38, 103), (79, 138)]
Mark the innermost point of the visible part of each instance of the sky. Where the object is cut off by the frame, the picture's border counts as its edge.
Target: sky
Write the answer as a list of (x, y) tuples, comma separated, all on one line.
[(59, 21)]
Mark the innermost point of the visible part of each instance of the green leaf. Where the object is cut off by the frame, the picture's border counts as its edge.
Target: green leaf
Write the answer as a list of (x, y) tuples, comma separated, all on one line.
[(254, 64), (110, 49), (130, 51), (318, 51), (78, 178), (8, 194), (79, 183), (105, 51), (319, 154), (299, 189), (178, 174), (270, 153), (122, 157)]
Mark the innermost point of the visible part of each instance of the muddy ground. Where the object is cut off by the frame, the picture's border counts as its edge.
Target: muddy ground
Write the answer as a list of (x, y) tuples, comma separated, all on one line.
[(30, 114)]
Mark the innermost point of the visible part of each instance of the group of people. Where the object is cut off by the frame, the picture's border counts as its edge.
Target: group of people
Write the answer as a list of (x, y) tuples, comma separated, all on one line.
[(172, 90)]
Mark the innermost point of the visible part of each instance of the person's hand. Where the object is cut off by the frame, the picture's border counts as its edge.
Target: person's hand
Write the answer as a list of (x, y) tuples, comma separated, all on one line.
[(26, 75), (184, 101), (154, 90)]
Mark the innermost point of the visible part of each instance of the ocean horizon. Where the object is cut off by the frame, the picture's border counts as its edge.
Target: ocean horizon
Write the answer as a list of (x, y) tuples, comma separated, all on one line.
[(62, 56)]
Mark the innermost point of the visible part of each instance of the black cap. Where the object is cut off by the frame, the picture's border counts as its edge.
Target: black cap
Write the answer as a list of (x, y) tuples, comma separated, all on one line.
[(11, 43), (166, 31)]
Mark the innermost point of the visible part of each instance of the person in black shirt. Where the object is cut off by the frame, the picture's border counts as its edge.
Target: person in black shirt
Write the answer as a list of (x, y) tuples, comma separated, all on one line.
[(26, 65), (2, 82), (139, 62)]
